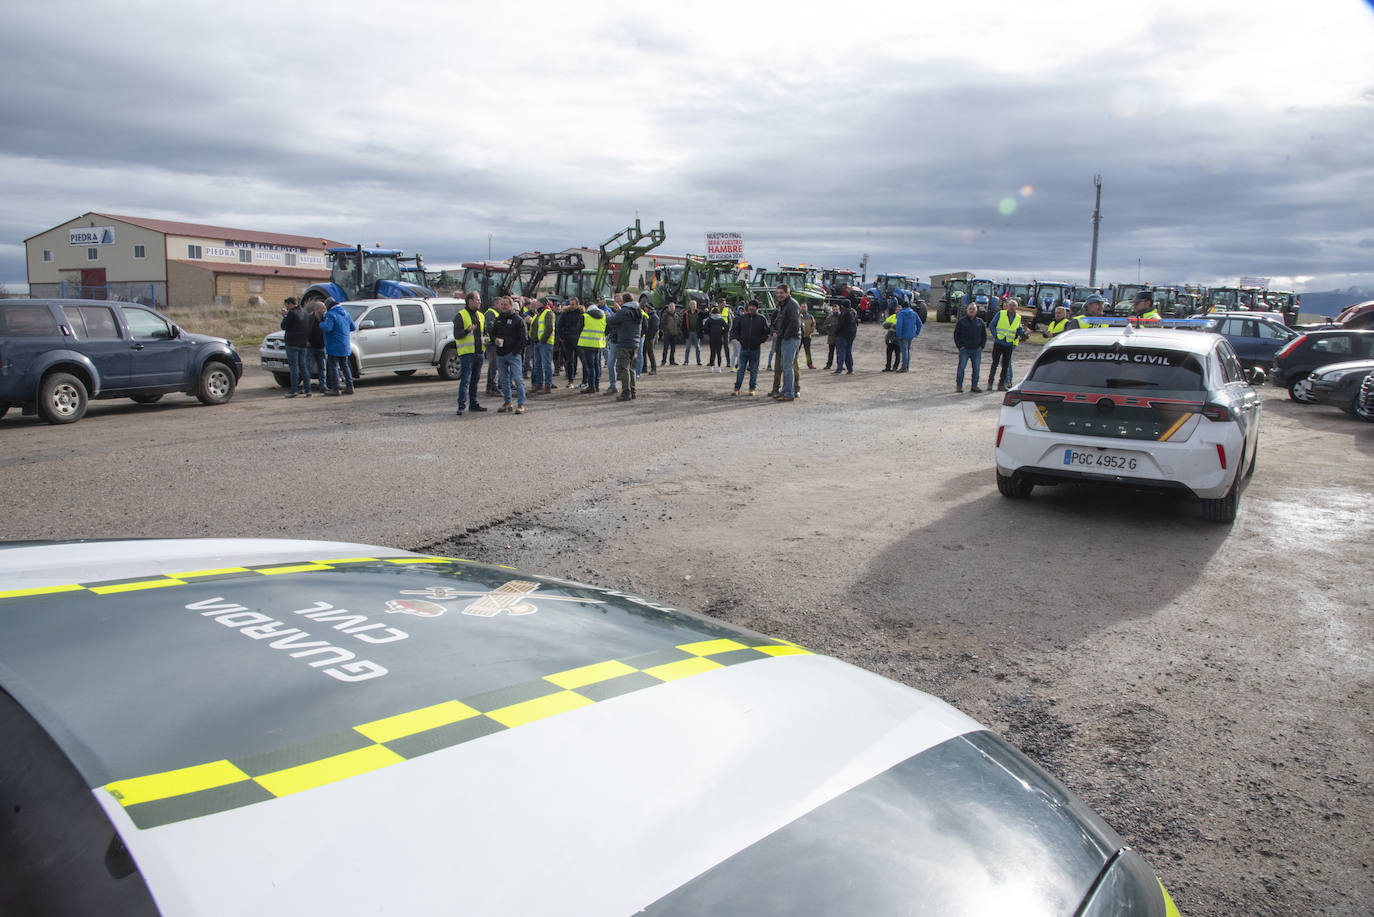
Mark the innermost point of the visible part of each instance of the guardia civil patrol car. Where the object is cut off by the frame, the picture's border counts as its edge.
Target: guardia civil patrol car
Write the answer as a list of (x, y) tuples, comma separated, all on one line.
[(1152, 409), (276, 727)]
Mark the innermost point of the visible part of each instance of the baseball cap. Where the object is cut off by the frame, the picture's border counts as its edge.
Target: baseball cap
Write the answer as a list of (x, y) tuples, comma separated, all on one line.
[(1143, 295), (1097, 297)]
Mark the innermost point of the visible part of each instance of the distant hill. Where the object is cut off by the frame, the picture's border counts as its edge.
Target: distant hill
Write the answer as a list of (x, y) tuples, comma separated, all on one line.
[(1331, 302)]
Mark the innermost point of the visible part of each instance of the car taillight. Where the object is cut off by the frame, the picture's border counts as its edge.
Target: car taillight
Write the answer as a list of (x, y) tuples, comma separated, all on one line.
[(1292, 345), (1011, 399), (1221, 454), (1219, 412), (1000, 431)]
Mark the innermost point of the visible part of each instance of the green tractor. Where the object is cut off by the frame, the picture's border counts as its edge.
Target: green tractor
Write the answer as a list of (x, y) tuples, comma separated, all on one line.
[(804, 282), (699, 278), (611, 275)]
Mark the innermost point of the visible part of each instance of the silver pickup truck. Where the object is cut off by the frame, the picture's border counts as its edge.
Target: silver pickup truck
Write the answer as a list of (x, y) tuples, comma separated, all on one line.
[(394, 335)]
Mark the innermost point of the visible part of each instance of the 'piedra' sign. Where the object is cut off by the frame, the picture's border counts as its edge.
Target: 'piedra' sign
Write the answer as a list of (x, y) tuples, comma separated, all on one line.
[(725, 245), (91, 235)]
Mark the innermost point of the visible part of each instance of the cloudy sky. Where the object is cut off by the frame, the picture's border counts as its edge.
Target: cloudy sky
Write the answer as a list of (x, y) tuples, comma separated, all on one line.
[(1234, 137)]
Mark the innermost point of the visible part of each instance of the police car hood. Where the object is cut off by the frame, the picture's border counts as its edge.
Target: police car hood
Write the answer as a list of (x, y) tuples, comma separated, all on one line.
[(305, 727)]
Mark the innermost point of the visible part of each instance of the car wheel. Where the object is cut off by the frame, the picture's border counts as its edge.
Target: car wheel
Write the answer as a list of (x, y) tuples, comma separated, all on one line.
[(61, 398), (1223, 509), (1254, 457), (1299, 391), (449, 364), (405, 372), (1014, 485), (283, 379), (146, 399), (4, 409), (216, 383), (1352, 407)]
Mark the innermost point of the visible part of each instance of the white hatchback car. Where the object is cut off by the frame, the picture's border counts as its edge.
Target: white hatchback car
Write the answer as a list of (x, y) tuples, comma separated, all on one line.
[(1150, 409)]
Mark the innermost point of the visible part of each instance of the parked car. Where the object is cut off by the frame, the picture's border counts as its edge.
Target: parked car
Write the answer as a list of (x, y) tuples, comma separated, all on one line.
[(263, 727), (1364, 408), (1360, 315), (394, 335), (1255, 339), (1340, 384), (58, 354), (1152, 409), (1313, 349)]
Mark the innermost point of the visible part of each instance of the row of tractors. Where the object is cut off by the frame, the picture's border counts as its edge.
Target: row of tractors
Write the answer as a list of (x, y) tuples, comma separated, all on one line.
[(957, 292)]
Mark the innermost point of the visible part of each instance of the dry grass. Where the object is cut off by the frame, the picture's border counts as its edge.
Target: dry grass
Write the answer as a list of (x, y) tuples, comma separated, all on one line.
[(246, 326)]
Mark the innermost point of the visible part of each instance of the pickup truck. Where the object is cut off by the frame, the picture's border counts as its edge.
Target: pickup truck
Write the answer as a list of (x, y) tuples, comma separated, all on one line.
[(394, 335), (57, 354)]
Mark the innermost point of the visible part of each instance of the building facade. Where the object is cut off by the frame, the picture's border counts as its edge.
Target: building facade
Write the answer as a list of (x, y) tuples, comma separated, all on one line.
[(164, 262)]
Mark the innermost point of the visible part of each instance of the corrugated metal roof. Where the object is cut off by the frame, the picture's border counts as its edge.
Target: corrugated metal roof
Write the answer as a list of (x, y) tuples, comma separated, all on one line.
[(172, 227)]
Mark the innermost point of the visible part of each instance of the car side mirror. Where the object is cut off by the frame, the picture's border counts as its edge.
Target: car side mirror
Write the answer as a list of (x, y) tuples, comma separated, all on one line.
[(367, 324), (1255, 376), (176, 331)]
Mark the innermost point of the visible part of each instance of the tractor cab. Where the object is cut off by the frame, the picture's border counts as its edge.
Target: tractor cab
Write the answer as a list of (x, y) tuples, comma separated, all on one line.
[(489, 278), (370, 273)]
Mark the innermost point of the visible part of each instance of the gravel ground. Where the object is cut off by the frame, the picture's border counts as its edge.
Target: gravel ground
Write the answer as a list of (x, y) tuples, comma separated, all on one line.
[(1209, 689)]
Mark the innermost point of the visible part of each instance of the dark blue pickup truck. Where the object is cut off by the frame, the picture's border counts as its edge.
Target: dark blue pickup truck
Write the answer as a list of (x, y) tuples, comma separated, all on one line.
[(57, 354)]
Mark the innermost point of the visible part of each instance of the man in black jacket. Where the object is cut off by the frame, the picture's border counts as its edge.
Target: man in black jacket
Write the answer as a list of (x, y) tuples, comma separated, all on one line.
[(625, 325), (295, 322), (846, 329), (509, 337), (751, 330), (789, 340), (970, 336), (569, 330)]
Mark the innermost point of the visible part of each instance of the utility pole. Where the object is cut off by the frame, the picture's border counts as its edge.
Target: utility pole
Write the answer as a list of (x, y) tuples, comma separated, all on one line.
[(863, 270), (1097, 219)]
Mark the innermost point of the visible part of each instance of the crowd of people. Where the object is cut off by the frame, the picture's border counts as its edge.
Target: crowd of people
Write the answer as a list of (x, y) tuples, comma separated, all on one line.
[(624, 340)]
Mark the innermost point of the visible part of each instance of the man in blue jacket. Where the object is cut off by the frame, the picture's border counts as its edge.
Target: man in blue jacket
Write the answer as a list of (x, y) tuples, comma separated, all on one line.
[(338, 327), (908, 327)]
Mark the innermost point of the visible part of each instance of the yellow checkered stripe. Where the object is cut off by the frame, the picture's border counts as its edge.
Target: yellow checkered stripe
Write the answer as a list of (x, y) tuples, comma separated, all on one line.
[(114, 587), (217, 786)]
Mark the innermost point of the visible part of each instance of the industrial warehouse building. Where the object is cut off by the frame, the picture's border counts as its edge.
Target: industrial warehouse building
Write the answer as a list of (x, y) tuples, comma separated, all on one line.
[(162, 262)]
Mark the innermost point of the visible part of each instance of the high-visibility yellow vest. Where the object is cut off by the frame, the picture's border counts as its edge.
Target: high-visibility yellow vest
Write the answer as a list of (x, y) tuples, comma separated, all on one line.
[(1056, 327), (593, 332), (1086, 321), (490, 315), (543, 327), (1006, 330), (471, 325), (1151, 316), (890, 322)]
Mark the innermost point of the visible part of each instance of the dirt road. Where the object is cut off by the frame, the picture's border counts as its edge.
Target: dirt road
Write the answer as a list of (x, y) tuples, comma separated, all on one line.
[(1209, 689)]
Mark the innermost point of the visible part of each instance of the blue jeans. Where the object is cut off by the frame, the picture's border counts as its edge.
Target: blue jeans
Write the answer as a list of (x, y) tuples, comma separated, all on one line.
[(788, 356), (693, 342), (296, 359), (749, 359), (639, 357), (338, 374), (512, 371), (905, 344), (844, 354), (965, 355), (318, 362), (591, 365), (469, 379), (611, 348), (541, 373)]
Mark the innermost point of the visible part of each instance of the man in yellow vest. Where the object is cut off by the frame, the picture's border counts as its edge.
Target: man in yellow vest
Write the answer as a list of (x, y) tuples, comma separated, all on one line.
[(590, 344), (541, 336), (1092, 309), (469, 327), (1144, 307), (1060, 323), (894, 351), (1007, 333)]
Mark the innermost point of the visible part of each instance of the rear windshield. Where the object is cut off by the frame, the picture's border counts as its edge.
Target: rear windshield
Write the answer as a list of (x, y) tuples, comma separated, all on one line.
[(1116, 366), (27, 321)]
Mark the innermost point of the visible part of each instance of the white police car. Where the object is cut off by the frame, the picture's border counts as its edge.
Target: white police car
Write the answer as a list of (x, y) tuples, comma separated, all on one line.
[(1152, 409), (286, 727)]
